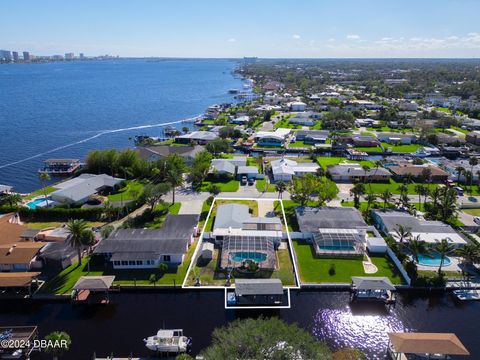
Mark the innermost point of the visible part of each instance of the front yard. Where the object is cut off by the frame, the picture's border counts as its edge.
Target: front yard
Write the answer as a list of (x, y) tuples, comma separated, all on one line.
[(261, 185), (319, 270), (225, 185)]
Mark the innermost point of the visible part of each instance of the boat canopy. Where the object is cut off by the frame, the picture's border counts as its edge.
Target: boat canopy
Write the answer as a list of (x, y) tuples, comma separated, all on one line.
[(427, 343), (372, 283), (94, 283)]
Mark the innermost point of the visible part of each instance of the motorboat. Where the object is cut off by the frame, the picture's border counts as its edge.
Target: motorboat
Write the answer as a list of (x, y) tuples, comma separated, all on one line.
[(168, 341)]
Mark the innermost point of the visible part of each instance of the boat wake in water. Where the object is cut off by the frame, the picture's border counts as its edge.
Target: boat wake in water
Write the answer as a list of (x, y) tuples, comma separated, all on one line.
[(100, 133)]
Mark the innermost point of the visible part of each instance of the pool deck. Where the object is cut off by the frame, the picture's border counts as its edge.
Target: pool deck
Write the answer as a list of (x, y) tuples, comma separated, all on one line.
[(454, 262)]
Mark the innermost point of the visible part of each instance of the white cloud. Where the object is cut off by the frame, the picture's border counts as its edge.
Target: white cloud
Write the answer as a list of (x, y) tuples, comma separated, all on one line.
[(296, 36), (232, 40), (353, 37), (331, 40)]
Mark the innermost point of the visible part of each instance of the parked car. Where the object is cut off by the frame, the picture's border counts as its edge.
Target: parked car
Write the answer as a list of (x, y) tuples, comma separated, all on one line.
[(251, 181), (476, 219), (459, 190), (243, 180)]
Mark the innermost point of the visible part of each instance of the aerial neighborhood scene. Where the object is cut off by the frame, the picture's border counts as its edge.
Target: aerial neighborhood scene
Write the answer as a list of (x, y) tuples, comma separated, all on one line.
[(238, 192)]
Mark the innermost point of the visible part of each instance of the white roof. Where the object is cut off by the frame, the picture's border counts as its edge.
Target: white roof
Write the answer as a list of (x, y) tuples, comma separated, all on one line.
[(84, 186)]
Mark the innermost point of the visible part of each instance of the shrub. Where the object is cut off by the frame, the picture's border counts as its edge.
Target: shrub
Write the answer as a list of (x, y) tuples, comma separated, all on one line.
[(332, 270)]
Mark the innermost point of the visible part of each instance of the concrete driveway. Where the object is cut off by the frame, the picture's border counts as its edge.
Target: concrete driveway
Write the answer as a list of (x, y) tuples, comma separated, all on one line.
[(265, 208), (467, 219)]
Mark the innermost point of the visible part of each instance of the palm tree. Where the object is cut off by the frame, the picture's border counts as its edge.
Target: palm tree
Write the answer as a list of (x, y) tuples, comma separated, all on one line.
[(459, 170), (44, 177), (403, 189), (403, 234), (371, 198), (365, 171), (416, 247), (61, 338), (76, 229), (443, 248), (386, 197), (470, 254), (280, 186), (356, 191), (473, 161), (468, 178), (420, 190), (174, 179)]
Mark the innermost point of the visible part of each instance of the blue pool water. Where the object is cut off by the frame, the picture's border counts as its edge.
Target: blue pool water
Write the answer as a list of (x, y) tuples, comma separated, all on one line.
[(390, 164), (243, 256), (34, 203), (432, 259)]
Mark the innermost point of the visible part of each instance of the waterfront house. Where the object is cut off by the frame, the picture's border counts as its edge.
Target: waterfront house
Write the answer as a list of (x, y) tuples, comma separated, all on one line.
[(81, 189), (244, 237), (57, 255), (273, 86), (365, 141), (239, 120), (156, 152), (21, 256), (199, 137), (429, 231), (312, 137), (272, 138), (354, 172), (396, 138), (4, 190), (147, 248), (418, 172), (285, 169), (451, 166)]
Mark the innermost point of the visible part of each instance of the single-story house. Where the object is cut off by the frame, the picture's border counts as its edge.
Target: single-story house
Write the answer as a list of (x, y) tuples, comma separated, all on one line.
[(303, 120), (451, 165), (297, 106), (227, 166), (80, 189), (272, 138), (251, 172), (396, 138), (155, 152), (21, 256), (11, 229), (285, 169), (57, 255), (429, 231), (354, 172), (312, 137), (365, 140), (200, 137), (239, 120), (243, 237), (367, 122), (147, 248), (418, 172)]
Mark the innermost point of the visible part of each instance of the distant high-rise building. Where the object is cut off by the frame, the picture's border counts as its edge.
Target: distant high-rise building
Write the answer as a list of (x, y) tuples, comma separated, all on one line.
[(15, 56), (82, 57), (69, 56), (26, 56), (57, 57), (5, 55)]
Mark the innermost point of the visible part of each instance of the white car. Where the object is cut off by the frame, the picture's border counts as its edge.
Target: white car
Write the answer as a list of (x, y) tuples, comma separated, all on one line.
[(476, 219)]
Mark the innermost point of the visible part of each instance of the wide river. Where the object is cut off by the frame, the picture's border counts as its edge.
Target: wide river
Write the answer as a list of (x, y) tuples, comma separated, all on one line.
[(65, 109), (121, 326)]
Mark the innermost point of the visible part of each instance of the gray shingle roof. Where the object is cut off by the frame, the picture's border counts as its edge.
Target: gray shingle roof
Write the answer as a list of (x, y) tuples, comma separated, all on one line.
[(356, 170), (311, 219), (231, 215), (391, 220)]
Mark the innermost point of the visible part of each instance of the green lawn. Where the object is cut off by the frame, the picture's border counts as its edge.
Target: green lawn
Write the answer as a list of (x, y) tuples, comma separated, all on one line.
[(317, 270), (460, 129), (299, 144), (261, 183), (224, 185), (474, 212), (160, 214), (368, 148), (131, 190), (378, 188), (401, 148), (53, 224), (325, 161), (40, 192)]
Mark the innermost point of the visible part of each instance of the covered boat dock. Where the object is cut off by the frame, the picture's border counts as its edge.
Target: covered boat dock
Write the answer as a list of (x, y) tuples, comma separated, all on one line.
[(373, 288), (18, 284), (404, 346), (257, 294), (23, 336), (92, 289)]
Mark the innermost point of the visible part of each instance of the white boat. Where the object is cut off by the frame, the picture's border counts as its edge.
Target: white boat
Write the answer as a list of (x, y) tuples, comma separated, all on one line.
[(466, 295), (168, 341)]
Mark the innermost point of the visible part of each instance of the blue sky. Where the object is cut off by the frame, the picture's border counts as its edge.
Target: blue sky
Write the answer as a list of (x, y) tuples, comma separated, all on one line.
[(224, 28)]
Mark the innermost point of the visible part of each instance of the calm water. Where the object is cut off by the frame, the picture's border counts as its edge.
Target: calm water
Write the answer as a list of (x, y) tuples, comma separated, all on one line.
[(79, 106), (134, 316)]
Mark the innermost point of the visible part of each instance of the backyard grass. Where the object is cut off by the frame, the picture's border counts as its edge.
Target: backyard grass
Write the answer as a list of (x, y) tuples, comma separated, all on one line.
[(325, 161), (318, 270), (131, 190), (260, 184), (368, 148), (285, 268), (410, 148), (298, 144), (40, 192)]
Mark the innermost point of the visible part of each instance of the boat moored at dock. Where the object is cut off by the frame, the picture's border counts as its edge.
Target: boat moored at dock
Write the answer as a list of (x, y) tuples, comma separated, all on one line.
[(169, 341)]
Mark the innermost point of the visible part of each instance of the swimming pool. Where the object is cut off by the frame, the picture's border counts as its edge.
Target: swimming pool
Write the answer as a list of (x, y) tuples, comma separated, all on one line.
[(242, 256), (37, 202), (432, 259)]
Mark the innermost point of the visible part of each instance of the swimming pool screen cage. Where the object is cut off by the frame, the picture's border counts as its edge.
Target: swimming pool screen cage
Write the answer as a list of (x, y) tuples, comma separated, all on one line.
[(337, 243), (250, 246)]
